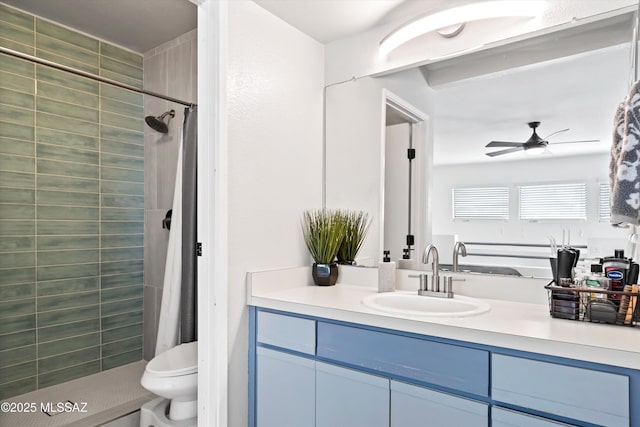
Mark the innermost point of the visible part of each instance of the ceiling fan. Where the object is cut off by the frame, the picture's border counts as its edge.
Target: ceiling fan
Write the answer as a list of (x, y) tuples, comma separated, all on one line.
[(534, 145)]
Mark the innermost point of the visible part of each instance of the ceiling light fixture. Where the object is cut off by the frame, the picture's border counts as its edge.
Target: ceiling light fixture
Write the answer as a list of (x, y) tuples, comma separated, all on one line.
[(535, 150), (458, 15)]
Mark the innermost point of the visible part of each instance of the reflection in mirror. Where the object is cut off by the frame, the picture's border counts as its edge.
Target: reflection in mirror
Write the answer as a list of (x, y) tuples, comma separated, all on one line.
[(573, 79), (579, 92), (399, 183)]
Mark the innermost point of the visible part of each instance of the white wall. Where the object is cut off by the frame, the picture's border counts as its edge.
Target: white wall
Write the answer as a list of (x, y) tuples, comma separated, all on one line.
[(355, 133), (274, 99)]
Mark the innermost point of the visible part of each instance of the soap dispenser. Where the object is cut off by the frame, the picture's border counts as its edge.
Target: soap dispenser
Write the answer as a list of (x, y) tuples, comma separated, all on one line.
[(406, 262), (386, 274)]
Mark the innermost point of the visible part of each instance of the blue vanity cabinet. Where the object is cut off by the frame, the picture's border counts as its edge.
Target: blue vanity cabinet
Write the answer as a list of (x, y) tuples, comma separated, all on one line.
[(501, 417), (287, 332), (320, 372), (346, 397), (450, 366), (413, 406), (285, 389), (350, 398), (285, 371), (596, 397), (311, 372)]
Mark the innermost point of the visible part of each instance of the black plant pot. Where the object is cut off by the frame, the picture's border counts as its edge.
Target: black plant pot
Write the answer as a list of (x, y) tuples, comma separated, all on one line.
[(325, 274)]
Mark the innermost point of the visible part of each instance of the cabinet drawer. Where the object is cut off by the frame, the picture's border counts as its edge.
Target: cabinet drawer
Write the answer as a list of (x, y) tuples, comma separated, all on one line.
[(446, 365), (582, 394), (288, 332), (413, 406), (501, 417)]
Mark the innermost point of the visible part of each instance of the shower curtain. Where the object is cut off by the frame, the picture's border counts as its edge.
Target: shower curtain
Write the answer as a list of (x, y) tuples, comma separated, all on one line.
[(188, 313), (178, 309)]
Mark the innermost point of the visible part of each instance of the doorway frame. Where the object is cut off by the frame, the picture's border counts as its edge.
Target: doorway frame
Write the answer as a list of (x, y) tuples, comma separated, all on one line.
[(212, 303), (424, 164)]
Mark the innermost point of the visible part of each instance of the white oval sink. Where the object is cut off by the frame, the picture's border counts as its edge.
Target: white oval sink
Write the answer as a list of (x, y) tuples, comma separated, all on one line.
[(412, 304)]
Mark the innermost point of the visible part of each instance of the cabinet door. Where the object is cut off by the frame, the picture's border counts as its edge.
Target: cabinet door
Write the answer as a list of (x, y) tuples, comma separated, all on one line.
[(285, 390), (418, 406), (501, 417), (596, 397), (348, 398)]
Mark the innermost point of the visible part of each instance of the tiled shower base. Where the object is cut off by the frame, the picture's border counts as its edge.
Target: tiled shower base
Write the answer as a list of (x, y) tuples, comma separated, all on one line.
[(108, 395)]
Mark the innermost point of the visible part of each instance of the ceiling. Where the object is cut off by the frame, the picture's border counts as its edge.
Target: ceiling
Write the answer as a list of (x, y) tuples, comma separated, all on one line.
[(138, 25), (580, 92), (329, 20), (141, 25), (574, 78)]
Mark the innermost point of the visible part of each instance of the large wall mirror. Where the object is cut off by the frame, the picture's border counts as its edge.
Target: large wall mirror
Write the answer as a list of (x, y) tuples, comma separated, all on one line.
[(569, 79)]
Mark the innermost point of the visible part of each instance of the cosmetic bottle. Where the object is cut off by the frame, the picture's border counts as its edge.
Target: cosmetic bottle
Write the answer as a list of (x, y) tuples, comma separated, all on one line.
[(597, 280), (405, 262), (616, 268)]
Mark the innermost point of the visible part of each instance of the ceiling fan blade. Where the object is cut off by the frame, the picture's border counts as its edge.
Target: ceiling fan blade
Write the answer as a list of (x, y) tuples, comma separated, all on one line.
[(501, 152), (504, 144), (555, 133), (574, 142)]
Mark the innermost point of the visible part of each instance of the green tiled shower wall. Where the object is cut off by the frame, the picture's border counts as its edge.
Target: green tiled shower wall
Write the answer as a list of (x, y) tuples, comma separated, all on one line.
[(71, 207)]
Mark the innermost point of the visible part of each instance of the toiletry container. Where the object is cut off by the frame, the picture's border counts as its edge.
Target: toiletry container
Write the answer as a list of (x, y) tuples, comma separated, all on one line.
[(597, 280), (632, 276), (406, 263), (567, 259), (386, 274), (616, 269)]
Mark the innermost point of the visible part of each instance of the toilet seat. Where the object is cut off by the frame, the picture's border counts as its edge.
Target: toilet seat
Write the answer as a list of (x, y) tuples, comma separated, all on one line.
[(177, 361)]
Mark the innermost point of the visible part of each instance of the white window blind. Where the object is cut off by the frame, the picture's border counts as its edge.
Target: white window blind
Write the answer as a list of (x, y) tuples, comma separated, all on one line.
[(553, 201), (481, 203), (604, 202)]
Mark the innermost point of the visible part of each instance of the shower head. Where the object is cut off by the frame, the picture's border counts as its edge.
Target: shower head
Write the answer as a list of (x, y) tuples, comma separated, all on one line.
[(157, 123)]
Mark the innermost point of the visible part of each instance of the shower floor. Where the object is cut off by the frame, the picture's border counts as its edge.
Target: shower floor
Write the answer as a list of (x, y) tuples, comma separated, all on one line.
[(90, 401)]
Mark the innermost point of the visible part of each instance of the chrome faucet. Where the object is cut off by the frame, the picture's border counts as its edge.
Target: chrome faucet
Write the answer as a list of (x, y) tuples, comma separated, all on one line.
[(433, 289), (435, 266), (458, 248)]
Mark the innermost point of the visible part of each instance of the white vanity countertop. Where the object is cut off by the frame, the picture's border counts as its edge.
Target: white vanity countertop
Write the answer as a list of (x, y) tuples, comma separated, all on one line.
[(517, 325)]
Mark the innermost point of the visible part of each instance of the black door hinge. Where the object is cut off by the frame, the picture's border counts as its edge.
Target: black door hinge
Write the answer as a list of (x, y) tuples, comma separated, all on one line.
[(411, 153), (198, 249)]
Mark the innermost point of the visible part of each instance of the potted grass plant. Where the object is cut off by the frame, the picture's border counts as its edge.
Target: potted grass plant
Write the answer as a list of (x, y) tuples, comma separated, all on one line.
[(323, 232), (356, 228)]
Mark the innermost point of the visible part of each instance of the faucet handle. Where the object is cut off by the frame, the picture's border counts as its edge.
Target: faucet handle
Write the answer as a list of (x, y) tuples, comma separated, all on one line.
[(423, 280), (448, 284), (426, 284)]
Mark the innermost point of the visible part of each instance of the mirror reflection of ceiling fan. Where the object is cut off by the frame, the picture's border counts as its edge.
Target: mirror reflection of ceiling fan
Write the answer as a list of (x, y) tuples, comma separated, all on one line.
[(534, 145)]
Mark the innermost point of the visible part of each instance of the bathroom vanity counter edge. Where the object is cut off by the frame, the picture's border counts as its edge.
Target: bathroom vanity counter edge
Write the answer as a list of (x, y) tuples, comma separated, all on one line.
[(515, 325)]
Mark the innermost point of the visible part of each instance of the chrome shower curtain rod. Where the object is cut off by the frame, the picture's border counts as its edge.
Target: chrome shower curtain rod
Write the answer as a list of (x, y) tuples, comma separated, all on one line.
[(81, 73)]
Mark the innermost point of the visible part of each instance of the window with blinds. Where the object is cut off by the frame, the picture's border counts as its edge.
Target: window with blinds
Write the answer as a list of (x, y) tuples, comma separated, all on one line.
[(481, 203), (604, 202), (553, 201)]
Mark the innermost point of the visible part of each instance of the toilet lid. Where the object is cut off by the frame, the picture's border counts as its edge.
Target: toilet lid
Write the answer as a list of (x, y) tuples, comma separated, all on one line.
[(180, 360)]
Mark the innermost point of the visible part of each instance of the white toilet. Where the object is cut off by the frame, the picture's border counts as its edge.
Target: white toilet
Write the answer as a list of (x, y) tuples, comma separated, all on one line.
[(173, 375)]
